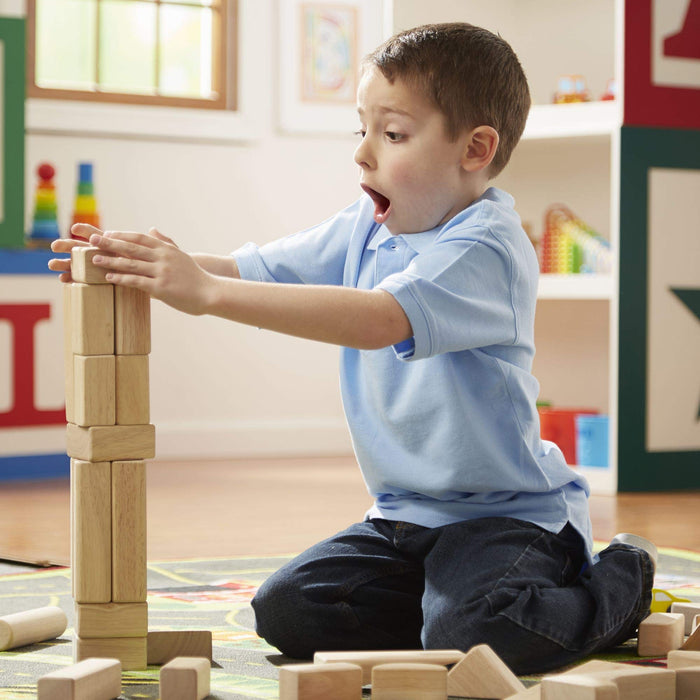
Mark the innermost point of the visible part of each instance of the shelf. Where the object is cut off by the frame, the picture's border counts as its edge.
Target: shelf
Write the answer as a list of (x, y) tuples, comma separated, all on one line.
[(25, 262), (573, 120), (581, 286)]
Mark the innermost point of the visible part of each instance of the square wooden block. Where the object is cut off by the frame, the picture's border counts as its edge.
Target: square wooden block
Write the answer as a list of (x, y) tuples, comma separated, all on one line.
[(82, 269), (94, 396)]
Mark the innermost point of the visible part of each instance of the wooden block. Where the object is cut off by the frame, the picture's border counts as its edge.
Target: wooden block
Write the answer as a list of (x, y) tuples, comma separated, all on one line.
[(98, 621), (681, 658), (94, 392), (482, 674), (131, 651), (110, 443), (340, 681), (91, 525), (132, 390), (367, 660), (31, 626), (132, 321), (409, 682), (689, 612), (688, 683), (596, 666), (166, 645), (660, 633), (82, 269), (693, 642), (92, 319), (129, 532), (640, 682), (68, 351), (575, 687), (185, 678), (92, 679)]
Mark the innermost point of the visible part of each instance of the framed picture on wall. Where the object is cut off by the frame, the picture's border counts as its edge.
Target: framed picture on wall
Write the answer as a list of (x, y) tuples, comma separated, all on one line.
[(321, 45), (12, 132)]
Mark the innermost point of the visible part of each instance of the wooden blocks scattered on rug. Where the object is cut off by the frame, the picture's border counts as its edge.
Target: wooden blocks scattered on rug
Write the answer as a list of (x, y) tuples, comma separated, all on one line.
[(185, 678), (660, 633), (92, 679), (409, 682), (31, 626), (482, 674), (164, 646), (337, 680)]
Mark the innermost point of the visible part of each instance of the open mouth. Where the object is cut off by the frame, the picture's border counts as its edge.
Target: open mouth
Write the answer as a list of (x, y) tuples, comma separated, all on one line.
[(382, 204)]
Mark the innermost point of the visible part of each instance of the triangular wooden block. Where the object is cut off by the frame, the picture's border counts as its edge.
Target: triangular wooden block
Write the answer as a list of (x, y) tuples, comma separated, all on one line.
[(482, 674), (693, 642)]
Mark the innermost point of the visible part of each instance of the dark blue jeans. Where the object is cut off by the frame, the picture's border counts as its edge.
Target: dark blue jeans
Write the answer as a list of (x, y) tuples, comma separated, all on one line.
[(524, 591)]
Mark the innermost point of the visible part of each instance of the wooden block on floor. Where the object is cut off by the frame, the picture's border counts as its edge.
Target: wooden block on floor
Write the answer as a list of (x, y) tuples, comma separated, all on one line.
[(166, 645), (31, 626), (94, 393), (409, 682), (106, 620), (660, 633), (82, 269), (132, 321), (110, 443), (682, 658), (68, 351), (91, 531), (689, 612), (367, 660), (129, 531), (595, 666), (693, 642), (688, 683), (482, 674), (92, 679), (133, 404), (92, 319), (640, 682), (130, 651), (576, 687), (185, 678), (340, 681)]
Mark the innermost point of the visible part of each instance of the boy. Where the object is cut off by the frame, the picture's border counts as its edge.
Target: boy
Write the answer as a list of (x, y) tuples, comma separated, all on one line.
[(479, 532)]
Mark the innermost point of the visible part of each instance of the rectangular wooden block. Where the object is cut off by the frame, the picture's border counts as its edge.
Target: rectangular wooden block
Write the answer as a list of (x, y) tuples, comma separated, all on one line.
[(109, 443), (100, 621), (689, 611), (639, 682), (128, 532), (166, 645), (688, 683), (132, 321), (130, 651), (185, 678), (94, 395), (92, 679), (340, 681), (91, 536), (82, 269), (92, 319), (681, 658), (68, 350), (660, 633), (133, 404), (575, 687), (409, 682)]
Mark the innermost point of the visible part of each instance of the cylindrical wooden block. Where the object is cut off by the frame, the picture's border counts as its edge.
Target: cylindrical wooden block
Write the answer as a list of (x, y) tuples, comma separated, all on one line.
[(409, 682), (31, 626)]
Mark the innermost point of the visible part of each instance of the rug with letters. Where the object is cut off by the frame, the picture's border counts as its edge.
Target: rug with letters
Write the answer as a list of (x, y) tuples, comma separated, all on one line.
[(209, 594)]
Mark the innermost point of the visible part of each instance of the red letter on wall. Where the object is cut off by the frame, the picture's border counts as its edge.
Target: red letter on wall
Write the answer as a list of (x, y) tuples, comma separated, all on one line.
[(23, 318)]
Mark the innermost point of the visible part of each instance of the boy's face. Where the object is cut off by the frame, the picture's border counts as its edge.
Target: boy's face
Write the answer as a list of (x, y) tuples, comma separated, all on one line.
[(409, 166)]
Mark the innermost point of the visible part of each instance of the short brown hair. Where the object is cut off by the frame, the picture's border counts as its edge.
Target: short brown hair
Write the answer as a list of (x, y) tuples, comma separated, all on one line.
[(472, 75)]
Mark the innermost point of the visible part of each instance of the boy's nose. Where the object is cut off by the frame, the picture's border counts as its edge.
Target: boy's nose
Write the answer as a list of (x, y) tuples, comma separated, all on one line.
[(363, 156)]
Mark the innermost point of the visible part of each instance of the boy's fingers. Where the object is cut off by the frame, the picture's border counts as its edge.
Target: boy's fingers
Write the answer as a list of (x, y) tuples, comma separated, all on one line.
[(84, 230), (128, 245), (59, 264)]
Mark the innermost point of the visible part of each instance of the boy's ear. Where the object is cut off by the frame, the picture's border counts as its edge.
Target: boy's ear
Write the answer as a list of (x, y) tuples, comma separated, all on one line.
[(480, 148)]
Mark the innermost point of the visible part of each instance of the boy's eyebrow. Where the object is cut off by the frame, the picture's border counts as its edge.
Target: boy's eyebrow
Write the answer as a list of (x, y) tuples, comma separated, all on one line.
[(388, 109)]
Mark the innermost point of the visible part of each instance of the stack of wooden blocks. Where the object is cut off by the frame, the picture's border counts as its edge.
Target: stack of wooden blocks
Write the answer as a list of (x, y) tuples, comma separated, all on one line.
[(106, 344)]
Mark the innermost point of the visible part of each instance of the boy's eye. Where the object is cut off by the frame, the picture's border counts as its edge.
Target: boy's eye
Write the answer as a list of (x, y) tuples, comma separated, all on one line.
[(361, 133), (393, 136)]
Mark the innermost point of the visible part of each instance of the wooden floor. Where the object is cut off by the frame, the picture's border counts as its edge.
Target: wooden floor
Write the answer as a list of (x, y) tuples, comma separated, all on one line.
[(273, 507)]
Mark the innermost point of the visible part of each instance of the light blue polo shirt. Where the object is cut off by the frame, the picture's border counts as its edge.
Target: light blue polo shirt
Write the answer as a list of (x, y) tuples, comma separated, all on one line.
[(444, 425)]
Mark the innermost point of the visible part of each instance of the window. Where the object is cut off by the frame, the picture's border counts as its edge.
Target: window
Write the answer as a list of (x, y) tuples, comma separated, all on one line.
[(178, 53)]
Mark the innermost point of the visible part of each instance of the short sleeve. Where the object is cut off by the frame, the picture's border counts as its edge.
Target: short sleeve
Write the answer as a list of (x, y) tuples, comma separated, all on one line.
[(314, 256), (457, 295)]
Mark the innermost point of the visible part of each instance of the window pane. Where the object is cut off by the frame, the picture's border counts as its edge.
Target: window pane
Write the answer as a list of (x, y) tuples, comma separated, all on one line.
[(185, 58), (127, 46), (65, 43)]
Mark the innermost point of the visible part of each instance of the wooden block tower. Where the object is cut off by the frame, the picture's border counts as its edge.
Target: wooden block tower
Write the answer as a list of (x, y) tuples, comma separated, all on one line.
[(106, 344)]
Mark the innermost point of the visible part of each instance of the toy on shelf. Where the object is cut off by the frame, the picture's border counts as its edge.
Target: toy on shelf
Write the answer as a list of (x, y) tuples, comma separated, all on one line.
[(571, 88), (45, 222), (85, 211), (610, 91), (569, 245)]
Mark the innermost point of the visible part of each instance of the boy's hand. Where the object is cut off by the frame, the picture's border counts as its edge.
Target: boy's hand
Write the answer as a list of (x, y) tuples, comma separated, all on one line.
[(154, 264), (65, 245)]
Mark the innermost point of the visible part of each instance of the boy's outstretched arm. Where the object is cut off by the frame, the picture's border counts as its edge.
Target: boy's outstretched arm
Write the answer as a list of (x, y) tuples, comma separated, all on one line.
[(363, 319)]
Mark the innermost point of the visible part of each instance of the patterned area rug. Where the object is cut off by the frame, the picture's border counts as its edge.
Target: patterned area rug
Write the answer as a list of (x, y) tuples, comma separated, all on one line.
[(211, 594)]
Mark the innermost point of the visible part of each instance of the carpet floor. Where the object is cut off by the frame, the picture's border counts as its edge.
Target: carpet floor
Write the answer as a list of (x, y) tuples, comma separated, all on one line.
[(211, 594)]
